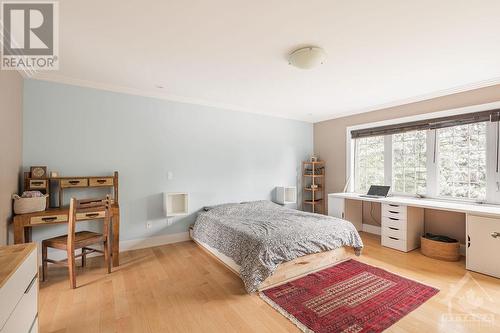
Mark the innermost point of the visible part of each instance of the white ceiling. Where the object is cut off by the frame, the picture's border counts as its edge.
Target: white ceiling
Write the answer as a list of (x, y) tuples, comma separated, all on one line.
[(232, 53)]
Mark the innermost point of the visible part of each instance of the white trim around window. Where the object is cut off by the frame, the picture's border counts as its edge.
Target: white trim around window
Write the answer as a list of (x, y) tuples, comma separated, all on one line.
[(493, 177)]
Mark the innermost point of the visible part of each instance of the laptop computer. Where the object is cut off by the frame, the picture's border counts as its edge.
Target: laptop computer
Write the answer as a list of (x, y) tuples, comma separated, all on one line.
[(377, 191)]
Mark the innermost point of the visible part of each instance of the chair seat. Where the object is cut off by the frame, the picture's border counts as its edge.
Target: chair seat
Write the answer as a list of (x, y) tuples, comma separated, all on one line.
[(82, 239)]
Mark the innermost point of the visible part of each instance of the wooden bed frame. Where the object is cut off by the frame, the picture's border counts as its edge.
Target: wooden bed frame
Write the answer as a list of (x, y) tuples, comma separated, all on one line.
[(292, 269)]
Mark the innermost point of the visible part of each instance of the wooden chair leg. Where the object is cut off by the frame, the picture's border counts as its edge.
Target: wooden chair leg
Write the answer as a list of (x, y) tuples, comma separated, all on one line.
[(71, 268), (44, 262), (84, 256), (107, 254), (110, 256)]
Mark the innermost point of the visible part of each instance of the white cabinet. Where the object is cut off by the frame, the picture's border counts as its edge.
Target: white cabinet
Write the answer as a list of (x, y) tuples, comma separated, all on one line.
[(349, 210), (19, 289), (483, 245), (336, 207), (402, 227)]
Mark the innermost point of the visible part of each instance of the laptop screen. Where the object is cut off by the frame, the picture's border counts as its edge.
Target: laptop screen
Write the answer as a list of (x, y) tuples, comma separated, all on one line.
[(379, 190)]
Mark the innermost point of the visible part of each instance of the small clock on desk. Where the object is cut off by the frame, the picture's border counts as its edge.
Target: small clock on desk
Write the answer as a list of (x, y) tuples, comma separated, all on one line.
[(38, 172)]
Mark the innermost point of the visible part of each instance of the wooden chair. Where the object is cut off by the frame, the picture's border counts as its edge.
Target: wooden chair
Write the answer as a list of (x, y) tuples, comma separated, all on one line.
[(82, 239)]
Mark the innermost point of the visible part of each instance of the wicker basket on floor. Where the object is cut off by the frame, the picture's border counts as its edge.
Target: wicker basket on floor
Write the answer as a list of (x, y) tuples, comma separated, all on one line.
[(440, 250)]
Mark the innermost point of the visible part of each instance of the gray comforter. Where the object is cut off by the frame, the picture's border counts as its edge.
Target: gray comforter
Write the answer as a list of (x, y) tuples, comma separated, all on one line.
[(260, 235)]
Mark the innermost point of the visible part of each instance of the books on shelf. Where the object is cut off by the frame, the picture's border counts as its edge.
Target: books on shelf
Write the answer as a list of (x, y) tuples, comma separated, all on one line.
[(315, 171)]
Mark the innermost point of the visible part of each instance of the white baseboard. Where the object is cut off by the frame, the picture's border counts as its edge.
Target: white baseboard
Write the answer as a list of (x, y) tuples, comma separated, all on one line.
[(142, 243), (372, 229), (132, 244)]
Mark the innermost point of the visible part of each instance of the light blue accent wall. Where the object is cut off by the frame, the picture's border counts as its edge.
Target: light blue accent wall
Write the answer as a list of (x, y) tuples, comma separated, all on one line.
[(215, 155)]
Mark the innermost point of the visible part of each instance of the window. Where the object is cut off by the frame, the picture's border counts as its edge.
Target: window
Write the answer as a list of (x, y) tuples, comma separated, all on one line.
[(462, 161), (452, 157), (409, 173), (369, 163)]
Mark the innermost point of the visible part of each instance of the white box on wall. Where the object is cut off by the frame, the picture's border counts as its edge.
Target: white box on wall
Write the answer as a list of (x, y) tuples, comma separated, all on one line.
[(286, 194), (175, 204)]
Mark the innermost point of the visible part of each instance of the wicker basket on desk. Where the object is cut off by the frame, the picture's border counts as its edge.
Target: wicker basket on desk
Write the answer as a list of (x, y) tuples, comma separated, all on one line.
[(29, 205)]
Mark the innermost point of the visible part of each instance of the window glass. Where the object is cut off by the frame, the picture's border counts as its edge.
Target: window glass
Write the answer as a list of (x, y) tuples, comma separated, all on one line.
[(462, 161), (369, 163), (409, 160)]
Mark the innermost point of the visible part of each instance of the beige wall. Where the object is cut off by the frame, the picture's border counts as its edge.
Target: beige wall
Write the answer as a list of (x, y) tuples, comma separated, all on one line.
[(330, 144), (11, 96)]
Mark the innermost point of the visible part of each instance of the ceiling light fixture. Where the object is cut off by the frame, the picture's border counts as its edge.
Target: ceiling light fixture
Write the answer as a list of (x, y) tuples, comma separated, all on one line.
[(307, 57)]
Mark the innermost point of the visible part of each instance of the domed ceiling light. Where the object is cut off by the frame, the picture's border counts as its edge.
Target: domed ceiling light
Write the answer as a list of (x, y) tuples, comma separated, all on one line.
[(307, 57)]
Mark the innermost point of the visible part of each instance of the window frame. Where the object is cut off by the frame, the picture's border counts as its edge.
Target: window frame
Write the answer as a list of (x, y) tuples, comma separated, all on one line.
[(432, 164)]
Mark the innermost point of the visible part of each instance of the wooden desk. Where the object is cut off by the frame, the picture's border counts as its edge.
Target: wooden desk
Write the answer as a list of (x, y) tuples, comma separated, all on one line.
[(23, 224)]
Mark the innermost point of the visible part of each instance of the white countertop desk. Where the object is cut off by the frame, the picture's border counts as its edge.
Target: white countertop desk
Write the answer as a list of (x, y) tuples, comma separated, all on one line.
[(453, 206), (482, 224)]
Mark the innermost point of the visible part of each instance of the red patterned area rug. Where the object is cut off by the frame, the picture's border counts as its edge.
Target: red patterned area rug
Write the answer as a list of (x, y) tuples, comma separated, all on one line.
[(349, 297)]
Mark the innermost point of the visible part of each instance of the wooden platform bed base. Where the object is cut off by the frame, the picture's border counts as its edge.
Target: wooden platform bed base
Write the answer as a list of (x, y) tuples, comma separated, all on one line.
[(295, 268)]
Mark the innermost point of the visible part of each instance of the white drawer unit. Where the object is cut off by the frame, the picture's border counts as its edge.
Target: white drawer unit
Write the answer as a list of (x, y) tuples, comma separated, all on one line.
[(483, 245), (392, 222), (394, 232), (402, 227), (18, 289), (394, 243), (394, 211)]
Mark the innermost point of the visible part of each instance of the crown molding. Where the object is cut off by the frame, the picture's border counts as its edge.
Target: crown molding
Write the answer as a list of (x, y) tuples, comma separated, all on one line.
[(414, 99), (225, 106), (151, 94)]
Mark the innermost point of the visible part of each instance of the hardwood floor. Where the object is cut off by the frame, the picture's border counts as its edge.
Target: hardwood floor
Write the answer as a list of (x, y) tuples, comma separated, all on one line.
[(179, 288)]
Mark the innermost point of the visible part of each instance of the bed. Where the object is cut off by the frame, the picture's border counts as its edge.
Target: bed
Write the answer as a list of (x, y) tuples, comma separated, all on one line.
[(267, 244)]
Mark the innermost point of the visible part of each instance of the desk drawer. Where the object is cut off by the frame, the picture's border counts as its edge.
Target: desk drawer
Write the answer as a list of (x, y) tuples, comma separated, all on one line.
[(25, 314), (105, 181), (394, 232), (14, 289), (394, 211), (76, 182), (48, 219), (394, 243), (90, 215), (37, 183), (394, 222), (34, 326)]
